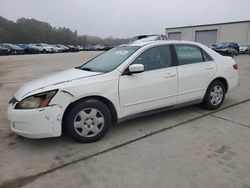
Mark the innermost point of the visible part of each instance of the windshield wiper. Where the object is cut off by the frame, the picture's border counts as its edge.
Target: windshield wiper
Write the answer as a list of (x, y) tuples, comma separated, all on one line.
[(85, 68)]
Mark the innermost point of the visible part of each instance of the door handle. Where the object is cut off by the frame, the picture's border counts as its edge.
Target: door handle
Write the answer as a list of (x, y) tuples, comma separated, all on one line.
[(169, 75), (209, 67)]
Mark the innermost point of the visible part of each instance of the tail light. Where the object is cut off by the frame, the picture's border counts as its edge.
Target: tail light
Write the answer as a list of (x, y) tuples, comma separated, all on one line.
[(235, 66)]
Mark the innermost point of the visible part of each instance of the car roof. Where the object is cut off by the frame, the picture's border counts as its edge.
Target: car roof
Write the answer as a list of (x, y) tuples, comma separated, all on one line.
[(140, 44)]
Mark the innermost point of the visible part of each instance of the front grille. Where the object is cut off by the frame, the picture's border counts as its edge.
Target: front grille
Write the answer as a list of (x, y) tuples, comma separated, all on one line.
[(13, 101)]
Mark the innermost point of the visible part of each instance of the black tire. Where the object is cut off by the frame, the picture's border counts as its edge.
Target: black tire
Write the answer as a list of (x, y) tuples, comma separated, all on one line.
[(207, 101), (73, 114)]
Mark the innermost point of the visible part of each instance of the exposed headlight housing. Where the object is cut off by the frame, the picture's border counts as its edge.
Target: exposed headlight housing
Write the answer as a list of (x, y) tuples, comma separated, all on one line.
[(39, 100)]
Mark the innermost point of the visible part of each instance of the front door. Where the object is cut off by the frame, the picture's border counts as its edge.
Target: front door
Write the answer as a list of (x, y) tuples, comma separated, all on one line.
[(156, 87)]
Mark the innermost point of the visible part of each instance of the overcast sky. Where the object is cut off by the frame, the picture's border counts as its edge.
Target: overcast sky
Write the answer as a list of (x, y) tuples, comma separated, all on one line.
[(125, 18)]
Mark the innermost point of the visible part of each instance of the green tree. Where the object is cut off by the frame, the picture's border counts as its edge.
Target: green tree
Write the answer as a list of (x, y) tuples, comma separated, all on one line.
[(33, 31)]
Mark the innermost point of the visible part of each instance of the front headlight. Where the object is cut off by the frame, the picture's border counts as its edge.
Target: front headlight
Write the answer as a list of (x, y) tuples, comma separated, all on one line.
[(39, 100)]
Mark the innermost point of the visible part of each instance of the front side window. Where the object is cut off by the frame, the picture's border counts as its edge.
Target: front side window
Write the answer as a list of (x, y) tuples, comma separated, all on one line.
[(155, 58), (188, 54)]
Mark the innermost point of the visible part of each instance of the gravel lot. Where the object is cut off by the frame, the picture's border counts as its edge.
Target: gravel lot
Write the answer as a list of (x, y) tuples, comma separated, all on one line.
[(188, 147)]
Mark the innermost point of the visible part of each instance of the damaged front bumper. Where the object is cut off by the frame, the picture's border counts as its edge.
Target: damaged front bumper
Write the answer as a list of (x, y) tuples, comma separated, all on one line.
[(36, 123)]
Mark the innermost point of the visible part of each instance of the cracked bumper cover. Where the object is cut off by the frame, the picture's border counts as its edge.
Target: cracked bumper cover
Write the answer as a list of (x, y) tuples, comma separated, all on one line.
[(36, 123)]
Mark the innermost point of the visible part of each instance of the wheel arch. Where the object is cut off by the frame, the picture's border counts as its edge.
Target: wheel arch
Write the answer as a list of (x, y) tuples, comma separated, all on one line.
[(223, 80), (106, 101)]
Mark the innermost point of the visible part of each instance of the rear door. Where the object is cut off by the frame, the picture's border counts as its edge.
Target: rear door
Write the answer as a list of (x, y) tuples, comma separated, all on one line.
[(195, 70)]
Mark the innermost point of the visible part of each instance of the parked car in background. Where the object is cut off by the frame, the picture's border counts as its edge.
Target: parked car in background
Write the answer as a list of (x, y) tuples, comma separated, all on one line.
[(245, 48), (72, 48), (45, 47), (88, 48), (30, 49), (227, 48), (109, 47), (124, 82), (80, 48), (151, 37), (64, 48), (4, 51), (14, 49), (212, 46), (41, 49), (99, 47), (56, 49)]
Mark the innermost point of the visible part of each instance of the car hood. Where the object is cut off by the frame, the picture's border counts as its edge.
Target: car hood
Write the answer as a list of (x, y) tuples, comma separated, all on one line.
[(53, 79)]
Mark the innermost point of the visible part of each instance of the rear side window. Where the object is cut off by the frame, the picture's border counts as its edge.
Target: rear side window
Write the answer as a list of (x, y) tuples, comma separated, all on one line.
[(188, 54), (206, 57)]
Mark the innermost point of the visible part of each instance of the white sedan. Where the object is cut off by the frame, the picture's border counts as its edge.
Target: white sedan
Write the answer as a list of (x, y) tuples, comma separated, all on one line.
[(124, 82), (45, 48)]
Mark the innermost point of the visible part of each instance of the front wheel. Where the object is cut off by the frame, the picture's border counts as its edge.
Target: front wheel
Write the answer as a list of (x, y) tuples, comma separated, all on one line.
[(215, 95), (88, 120)]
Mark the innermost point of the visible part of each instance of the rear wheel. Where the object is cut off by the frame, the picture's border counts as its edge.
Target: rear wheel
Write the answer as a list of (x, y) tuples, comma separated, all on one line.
[(88, 120), (215, 95)]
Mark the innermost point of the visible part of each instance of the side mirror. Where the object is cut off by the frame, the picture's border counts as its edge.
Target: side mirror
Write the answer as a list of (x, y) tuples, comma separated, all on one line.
[(136, 68)]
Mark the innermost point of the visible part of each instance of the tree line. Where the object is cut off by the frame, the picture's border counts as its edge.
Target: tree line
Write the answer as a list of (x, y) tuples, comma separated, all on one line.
[(33, 31)]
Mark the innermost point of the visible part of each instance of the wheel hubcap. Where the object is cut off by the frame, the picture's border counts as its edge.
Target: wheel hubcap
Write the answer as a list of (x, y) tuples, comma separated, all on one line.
[(89, 122), (216, 95)]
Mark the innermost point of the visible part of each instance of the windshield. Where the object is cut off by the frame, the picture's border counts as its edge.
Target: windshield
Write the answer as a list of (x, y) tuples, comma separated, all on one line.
[(109, 60), (223, 45)]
